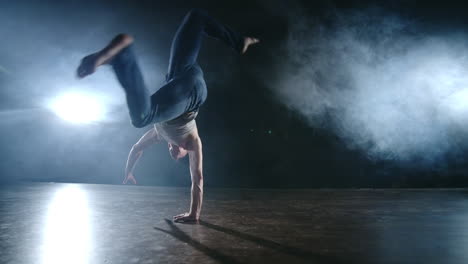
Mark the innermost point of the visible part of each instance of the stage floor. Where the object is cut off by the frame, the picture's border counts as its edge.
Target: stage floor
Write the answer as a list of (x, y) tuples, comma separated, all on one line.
[(83, 223)]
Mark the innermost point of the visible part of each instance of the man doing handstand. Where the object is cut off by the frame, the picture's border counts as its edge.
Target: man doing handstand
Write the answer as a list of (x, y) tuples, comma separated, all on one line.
[(174, 107)]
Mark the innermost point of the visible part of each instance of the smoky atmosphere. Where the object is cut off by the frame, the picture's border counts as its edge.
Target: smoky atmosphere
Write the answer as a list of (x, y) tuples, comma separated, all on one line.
[(336, 94)]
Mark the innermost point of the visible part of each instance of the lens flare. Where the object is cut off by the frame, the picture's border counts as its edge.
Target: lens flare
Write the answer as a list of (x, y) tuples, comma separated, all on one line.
[(78, 108)]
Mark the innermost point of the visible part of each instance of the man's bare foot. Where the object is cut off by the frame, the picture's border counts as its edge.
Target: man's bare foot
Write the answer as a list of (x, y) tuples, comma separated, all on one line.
[(249, 41), (88, 65), (185, 218)]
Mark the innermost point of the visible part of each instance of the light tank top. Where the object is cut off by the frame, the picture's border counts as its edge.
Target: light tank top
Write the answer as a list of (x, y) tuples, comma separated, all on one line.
[(175, 130)]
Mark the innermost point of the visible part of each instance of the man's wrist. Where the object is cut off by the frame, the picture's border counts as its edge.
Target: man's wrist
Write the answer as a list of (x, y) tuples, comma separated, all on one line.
[(194, 215)]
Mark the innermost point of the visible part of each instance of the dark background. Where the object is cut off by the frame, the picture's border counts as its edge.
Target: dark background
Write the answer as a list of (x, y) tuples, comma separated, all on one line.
[(251, 138)]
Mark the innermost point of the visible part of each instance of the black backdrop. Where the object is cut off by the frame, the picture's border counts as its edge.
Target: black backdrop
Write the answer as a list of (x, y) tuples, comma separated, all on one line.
[(250, 138)]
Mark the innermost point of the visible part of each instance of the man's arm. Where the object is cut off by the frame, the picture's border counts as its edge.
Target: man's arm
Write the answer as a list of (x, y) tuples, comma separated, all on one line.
[(196, 172), (149, 138)]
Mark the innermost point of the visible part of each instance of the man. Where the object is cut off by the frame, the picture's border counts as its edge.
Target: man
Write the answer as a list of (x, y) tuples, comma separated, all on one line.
[(174, 107)]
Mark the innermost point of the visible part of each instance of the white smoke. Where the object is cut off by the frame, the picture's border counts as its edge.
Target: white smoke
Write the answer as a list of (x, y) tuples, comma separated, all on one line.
[(383, 84)]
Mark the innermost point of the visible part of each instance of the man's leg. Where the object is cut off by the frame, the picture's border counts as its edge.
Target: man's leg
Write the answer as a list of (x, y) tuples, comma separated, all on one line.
[(187, 40), (119, 54), (168, 102), (186, 91), (129, 75)]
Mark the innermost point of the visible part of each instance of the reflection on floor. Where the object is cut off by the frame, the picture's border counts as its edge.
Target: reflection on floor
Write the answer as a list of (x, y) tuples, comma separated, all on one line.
[(72, 223)]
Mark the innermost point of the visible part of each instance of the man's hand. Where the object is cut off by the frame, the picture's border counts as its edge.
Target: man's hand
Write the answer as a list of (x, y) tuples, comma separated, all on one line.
[(185, 218), (130, 178)]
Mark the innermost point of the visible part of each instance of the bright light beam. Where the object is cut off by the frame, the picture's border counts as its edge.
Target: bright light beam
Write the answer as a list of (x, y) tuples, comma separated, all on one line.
[(78, 108), (67, 232), (458, 101)]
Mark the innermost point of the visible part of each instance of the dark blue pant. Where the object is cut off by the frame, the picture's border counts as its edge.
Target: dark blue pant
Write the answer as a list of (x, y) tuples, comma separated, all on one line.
[(185, 89)]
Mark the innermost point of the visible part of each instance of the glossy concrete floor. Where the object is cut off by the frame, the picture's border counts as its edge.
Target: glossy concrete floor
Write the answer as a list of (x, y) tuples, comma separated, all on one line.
[(73, 223)]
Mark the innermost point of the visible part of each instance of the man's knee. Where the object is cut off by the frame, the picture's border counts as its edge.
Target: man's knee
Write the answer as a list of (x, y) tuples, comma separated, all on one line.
[(139, 123), (136, 147), (139, 117)]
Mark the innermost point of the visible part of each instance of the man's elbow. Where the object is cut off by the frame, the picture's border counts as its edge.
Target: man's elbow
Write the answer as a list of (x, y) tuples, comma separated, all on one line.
[(136, 148)]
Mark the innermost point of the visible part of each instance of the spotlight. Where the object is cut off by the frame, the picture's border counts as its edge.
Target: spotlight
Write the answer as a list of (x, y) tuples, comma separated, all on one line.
[(457, 101), (78, 108)]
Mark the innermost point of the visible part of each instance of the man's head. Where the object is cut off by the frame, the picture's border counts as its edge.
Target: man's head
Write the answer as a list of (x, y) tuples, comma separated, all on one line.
[(176, 152)]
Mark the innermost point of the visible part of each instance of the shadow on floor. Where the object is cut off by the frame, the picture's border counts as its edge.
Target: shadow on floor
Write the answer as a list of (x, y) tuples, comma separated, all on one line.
[(216, 255), (180, 235), (292, 251)]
